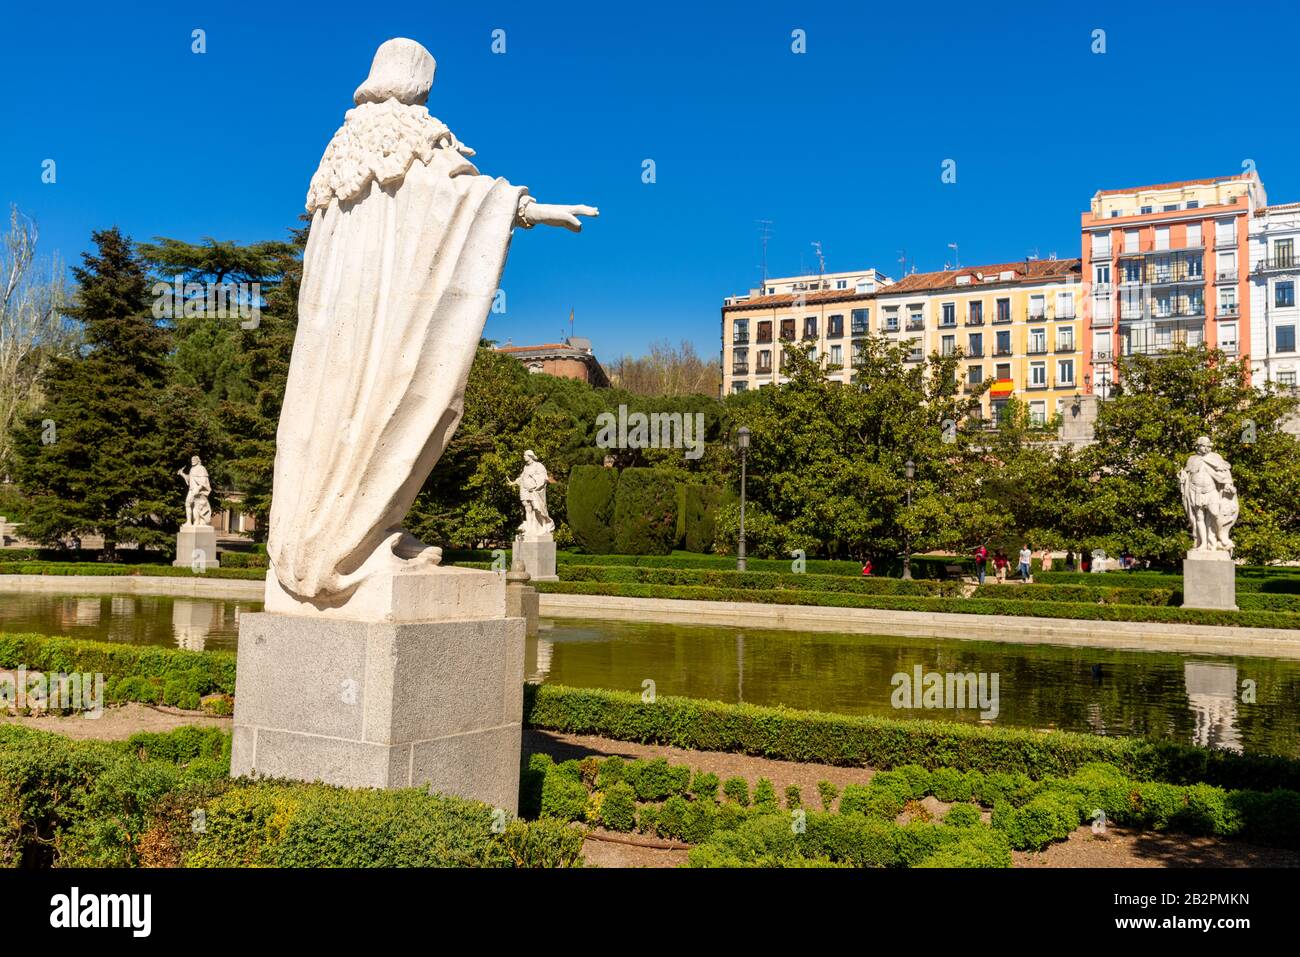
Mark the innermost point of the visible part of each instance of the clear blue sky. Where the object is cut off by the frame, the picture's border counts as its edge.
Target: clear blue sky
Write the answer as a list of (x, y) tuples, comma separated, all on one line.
[(842, 144)]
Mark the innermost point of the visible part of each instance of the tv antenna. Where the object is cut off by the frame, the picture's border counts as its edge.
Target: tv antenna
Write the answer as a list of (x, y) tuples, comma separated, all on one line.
[(955, 255), (764, 234), (821, 261)]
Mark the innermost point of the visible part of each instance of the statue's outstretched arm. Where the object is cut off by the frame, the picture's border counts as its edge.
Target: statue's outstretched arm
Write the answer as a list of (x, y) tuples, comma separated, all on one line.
[(532, 213)]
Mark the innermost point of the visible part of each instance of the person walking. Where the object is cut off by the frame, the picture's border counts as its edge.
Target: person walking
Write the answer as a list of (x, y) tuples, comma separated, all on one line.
[(981, 562), (1000, 563), (1085, 560), (1069, 560), (1046, 560), (1026, 563)]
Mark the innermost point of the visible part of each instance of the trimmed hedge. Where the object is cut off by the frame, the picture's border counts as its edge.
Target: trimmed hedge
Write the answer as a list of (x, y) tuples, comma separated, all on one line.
[(107, 570), (137, 803), (700, 507), (144, 673), (882, 743), (755, 580), (590, 504), (645, 512), (957, 606)]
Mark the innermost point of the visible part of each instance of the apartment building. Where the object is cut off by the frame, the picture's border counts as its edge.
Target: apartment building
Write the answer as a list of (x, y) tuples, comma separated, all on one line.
[(1166, 265), (863, 280), (1015, 323), (1274, 275)]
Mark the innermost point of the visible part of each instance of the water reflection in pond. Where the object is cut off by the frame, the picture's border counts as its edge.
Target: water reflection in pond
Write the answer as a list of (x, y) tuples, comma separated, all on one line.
[(1241, 703)]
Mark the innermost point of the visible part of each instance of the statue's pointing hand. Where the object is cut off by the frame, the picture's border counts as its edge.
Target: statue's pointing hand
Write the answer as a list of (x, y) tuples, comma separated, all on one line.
[(551, 214)]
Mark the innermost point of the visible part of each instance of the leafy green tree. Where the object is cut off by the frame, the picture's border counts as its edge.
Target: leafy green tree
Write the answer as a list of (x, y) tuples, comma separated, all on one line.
[(1145, 434), (100, 455)]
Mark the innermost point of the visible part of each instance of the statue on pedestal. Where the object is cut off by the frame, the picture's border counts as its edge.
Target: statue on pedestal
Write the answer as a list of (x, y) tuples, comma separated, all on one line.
[(532, 494), (198, 511), (1209, 498), (404, 258)]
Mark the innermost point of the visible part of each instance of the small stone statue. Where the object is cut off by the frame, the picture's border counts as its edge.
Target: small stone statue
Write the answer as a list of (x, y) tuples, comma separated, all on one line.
[(532, 493), (1209, 498), (198, 511)]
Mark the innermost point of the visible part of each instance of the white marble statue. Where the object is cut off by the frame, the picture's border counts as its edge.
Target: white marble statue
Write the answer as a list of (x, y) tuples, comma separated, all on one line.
[(407, 244), (532, 494), (1209, 498), (198, 510)]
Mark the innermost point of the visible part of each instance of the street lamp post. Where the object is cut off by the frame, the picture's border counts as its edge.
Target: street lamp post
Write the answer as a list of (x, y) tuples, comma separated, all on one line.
[(909, 470), (742, 444)]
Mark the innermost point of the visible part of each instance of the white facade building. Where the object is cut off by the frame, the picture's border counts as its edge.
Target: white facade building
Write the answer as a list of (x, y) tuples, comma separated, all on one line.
[(1274, 276)]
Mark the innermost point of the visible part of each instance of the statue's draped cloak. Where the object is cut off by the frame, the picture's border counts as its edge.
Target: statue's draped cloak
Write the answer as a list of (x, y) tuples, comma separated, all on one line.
[(397, 284)]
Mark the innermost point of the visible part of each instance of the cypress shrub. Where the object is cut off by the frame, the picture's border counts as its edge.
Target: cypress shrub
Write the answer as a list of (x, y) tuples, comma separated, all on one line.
[(645, 513), (590, 504), (700, 505)]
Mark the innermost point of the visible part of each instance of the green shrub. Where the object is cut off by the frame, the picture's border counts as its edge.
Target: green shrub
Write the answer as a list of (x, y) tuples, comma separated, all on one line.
[(656, 779), (737, 790), (611, 772), (590, 503), (828, 792), (704, 786), (765, 796), (618, 810), (793, 797), (962, 815), (645, 512), (563, 796), (672, 818), (700, 505)]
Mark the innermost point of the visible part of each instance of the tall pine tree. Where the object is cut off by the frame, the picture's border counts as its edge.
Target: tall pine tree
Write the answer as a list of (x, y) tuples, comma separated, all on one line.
[(101, 454)]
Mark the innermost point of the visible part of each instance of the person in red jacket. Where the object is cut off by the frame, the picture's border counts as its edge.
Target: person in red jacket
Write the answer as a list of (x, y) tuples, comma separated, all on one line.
[(1000, 563), (866, 569), (981, 562)]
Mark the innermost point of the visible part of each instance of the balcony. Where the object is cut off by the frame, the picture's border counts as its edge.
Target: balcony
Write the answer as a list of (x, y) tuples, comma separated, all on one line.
[(1279, 264), (740, 368), (1065, 383), (1225, 242), (975, 353), (1228, 348), (889, 327), (916, 355), (740, 340), (1002, 320), (1225, 275), (1067, 347), (977, 321), (1227, 310), (762, 369), (1036, 386), (858, 329), (1037, 350), (1000, 351), (1067, 315), (1101, 288), (834, 333), (1102, 355), (915, 325)]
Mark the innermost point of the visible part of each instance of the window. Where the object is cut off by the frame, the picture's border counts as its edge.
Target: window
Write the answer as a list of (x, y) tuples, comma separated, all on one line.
[(1227, 301), (740, 331), (1004, 310), (811, 352), (739, 361), (1065, 339), (860, 321), (1228, 337), (1287, 379), (1285, 339), (1131, 240), (1133, 272), (975, 313), (1065, 305), (1144, 210), (765, 330), (1284, 293), (949, 314), (1194, 270), (1037, 341), (1101, 274), (787, 330), (975, 375), (835, 327), (1002, 370), (1162, 237), (1101, 245), (810, 327), (857, 352), (1038, 412), (1284, 253), (890, 321), (1170, 208), (1114, 214), (1225, 231), (841, 284), (1038, 375), (764, 360), (1193, 235), (1064, 372), (837, 355), (976, 344), (948, 345), (1194, 204), (915, 320), (1226, 266), (1003, 343), (1037, 307), (1101, 346), (739, 386)]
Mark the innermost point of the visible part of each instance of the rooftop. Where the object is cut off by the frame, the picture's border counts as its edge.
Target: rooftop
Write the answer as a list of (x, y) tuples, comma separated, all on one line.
[(1025, 271), (1178, 185)]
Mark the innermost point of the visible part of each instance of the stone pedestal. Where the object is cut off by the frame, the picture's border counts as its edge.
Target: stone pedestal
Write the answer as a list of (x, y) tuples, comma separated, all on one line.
[(196, 547), (436, 703), (1209, 581), (539, 558)]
